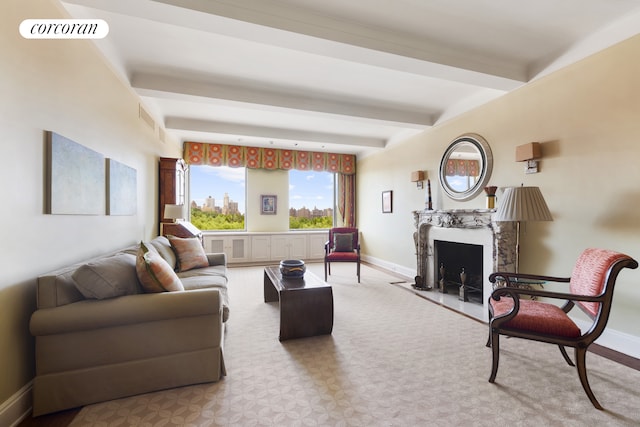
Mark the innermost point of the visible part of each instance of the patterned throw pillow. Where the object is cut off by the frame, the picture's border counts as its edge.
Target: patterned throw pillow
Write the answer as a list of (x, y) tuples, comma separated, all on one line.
[(343, 242), (190, 253), (154, 273)]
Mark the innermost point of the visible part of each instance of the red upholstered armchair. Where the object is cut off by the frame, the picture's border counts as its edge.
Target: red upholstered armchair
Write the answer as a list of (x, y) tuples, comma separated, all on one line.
[(343, 246), (590, 289)]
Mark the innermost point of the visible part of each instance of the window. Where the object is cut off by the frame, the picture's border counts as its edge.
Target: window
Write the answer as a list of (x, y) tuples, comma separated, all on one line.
[(311, 199), (217, 197)]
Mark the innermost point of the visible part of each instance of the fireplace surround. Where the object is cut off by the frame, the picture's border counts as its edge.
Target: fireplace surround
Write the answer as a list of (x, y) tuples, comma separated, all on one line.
[(469, 226)]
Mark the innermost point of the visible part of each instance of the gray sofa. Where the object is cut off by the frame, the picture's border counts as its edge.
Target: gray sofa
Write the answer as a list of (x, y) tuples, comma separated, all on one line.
[(91, 350)]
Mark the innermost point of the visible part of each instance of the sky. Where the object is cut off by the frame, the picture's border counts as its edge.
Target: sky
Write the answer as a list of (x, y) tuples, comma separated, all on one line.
[(306, 188)]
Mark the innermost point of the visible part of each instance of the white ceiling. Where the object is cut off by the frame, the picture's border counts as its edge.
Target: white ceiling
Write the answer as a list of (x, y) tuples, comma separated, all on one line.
[(335, 75)]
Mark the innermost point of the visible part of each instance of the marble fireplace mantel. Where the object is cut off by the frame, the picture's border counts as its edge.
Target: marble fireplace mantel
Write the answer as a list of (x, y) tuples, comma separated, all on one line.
[(456, 218), (475, 226)]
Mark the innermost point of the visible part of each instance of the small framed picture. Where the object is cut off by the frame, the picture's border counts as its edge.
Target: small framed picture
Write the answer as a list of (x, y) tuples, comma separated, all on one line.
[(268, 204), (387, 201)]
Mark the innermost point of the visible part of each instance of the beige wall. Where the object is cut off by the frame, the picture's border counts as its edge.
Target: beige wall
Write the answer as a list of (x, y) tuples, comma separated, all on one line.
[(267, 182), (587, 117), (62, 86)]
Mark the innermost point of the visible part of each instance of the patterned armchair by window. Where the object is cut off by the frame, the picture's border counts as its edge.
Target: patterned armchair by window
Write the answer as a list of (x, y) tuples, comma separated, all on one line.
[(343, 246), (590, 289)]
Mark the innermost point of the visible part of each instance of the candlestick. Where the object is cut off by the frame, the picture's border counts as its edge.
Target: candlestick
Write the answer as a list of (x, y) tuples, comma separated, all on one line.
[(429, 205)]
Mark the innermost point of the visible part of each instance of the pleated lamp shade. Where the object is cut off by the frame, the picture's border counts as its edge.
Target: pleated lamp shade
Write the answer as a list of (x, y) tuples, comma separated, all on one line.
[(522, 204)]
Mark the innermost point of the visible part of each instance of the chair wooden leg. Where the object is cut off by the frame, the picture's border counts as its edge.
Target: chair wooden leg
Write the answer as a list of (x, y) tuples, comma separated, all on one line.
[(358, 272), (581, 354), (495, 350), (325, 270), (565, 355), (489, 337)]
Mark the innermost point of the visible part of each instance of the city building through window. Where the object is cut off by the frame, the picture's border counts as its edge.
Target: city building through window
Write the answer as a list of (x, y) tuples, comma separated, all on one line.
[(218, 194), (311, 199), (217, 197)]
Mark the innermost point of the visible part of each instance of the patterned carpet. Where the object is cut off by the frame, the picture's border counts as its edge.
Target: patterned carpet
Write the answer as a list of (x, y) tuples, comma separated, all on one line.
[(393, 359)]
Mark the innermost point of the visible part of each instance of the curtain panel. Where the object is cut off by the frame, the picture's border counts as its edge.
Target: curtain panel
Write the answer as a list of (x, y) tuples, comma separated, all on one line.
[(347, 199), (197, 153)]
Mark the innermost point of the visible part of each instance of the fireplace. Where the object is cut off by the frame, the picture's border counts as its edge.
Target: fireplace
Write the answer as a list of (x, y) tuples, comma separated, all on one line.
[(495, 242), (459, 269)]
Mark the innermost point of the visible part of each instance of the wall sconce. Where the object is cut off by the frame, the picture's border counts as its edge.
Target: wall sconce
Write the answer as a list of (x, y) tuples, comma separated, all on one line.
[(418, 177), (529, 153)]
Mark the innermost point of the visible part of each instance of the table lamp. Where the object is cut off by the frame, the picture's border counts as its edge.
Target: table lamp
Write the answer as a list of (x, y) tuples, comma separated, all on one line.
[(174, 212), (521, 204)]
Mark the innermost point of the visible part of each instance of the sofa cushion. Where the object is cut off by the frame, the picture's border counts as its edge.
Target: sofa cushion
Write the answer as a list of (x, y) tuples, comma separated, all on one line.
[(219, 272), (343, 242), (162, 245), (210, 278), (154, 273), (57, 287), (189, 252), (108, 277)]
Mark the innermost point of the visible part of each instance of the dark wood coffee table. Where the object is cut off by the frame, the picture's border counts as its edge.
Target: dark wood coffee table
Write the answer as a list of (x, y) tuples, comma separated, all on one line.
[(306, 305)]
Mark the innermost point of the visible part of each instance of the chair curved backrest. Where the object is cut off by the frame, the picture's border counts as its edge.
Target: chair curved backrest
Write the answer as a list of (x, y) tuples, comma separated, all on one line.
[(343, 230), (343, 245), (592, 276)]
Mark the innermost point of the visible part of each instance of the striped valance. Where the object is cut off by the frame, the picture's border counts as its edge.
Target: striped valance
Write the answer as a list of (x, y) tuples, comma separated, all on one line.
[(197, 153)]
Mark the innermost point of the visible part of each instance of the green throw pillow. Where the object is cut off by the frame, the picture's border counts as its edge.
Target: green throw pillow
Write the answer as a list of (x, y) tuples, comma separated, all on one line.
[(343, 242)]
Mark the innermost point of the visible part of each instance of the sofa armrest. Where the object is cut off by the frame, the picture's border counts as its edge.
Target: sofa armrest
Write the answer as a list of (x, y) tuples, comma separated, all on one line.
[(95, 314), (217, 259)]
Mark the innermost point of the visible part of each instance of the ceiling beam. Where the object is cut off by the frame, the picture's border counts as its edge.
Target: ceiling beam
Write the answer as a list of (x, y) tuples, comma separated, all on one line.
[(326, 35), (147, 84), (271, 22), (300, 29), (179, 123)]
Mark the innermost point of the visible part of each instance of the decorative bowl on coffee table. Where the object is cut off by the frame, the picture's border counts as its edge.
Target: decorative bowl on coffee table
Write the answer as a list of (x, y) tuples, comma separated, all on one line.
[(292, 268)]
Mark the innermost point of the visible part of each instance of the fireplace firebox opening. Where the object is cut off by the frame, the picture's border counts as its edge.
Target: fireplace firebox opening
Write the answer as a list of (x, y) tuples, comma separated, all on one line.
[(458, 267)]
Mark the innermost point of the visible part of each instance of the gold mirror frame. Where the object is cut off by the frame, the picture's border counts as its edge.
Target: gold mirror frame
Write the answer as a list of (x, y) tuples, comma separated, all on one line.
[(469, 147)]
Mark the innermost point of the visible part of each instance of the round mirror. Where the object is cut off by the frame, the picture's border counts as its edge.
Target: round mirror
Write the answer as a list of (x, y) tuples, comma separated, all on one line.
[(466, 167)]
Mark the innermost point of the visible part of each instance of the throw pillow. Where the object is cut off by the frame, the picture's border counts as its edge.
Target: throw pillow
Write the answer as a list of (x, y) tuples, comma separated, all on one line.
[(107, 277), (162, 245), (343, 242), (189, 252), (154, 273)]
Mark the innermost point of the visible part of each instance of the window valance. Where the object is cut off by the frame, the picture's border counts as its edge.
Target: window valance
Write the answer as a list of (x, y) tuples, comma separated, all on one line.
[(197, 153), (457, 167)]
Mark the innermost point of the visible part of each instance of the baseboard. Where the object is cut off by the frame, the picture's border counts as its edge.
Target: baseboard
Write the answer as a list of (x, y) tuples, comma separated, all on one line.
[(610, 338), (615, 340), (405, 272), (18, 407)]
